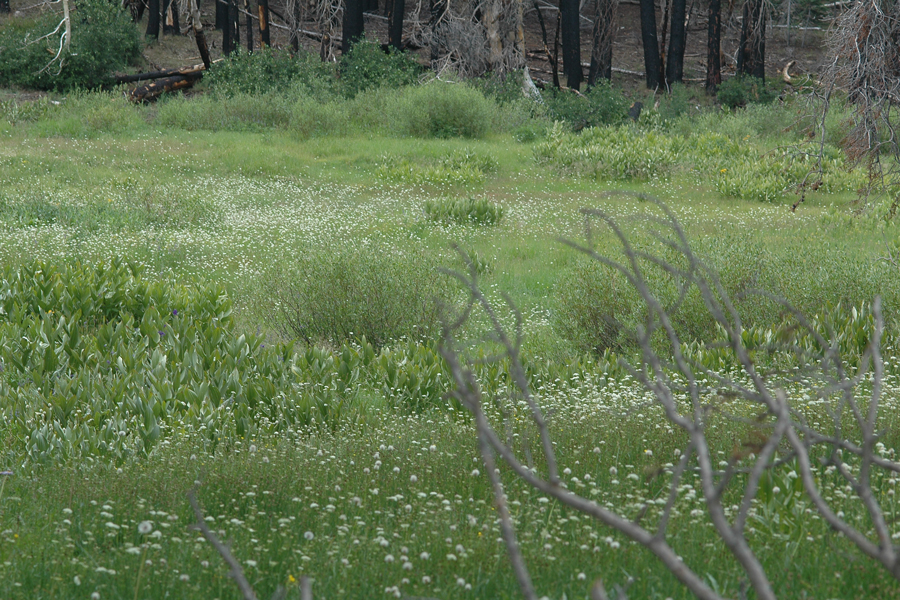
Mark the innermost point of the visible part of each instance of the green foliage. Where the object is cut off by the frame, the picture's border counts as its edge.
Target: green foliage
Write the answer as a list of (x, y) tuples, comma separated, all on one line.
[(338, 295), (88, 115), (459, 168), (267, 72), (17, 113), (463, 211), (103, 40), (367, 66), (237, 112), (444, 109), (740, 91), (600, 105)]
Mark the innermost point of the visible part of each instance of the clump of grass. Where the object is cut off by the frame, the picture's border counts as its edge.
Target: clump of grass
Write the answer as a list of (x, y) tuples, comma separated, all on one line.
[(463, 211), (459, 168)]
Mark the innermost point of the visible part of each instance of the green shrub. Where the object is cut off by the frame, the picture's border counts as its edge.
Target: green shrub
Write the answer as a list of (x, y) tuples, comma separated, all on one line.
[(367, 66), (444, 109), (268, 71), (598, 106), (88, 114), (103, 40), (463, 211), (312, 118), (338, 295), (739, 91), (239, 112)]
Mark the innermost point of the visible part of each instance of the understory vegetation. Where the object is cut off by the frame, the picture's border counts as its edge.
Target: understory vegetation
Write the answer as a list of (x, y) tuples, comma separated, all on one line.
[(244, 291)]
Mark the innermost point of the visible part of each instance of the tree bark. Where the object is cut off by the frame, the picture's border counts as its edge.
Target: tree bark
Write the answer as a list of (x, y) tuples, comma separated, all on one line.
[(438, 9), (652, 64), (751, 59), (152, 91), (249, 26), (221, 16), (234, 21), (227, 29), (353, 26), (153, 19), (395, 23), (675, 59), (713, 47), (263, 7), (601, 47), (571, 42), (4, 6), (170, 17)]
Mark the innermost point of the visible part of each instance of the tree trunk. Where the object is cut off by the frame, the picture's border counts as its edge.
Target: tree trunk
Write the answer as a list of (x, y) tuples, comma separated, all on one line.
[(751, 59), (153, 19), (263, 8), (601, 46), (571, 42), (249, 26), (234, 21), (353, 27), (151, 91), (435, 24), (370, 6), (395, 23), (295, 33), (227, 29), (170, 17), (221, 17), (4, 6), (652, 64), (713, 47), (675, 59)]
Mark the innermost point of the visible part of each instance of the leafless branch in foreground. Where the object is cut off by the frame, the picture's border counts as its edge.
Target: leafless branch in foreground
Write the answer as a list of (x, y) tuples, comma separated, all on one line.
[(849, 451)]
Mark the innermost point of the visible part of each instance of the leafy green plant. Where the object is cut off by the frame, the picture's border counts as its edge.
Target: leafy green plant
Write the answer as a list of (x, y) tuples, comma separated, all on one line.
[(444, 109), (269, 71), (458, 168), (368, 66), (103, 39), (463, 211), (739, 91), (600, 105)]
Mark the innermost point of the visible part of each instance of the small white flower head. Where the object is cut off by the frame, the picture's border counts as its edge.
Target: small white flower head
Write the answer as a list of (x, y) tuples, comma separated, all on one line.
[(613, 471), (426, 579), (265, 459), (451, 557), (204, 564), (424, 556), (582, 577), (145, 527), (476, 473), (567, 471), (460, 582), (67, 511), (250, 563), (648, 452), (396, 469), (95, 596), (252, 448), (413, 479), (407, 566), (776, 490), (184, 577), (460, 549), (76, 580), (345, 562), (432, 447), (389, 558), (309, 535)]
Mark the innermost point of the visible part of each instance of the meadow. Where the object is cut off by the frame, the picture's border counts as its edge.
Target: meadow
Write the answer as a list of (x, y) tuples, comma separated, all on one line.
[(242, 294)]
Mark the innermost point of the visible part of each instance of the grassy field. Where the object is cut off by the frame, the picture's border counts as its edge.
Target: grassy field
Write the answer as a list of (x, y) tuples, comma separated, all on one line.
[(349, 466)]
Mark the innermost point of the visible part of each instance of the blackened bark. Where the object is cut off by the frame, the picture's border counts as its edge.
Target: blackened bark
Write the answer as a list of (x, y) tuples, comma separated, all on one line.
[(227, 29), (249, 26), (170, 17), (571, 42), (713, 47), (153, 19), (222, 17), (370, 6), (395, 23), (675, 59), (353, 27), (652, 64), (601, 46), (234, 21), (263, 9), (295, 34), (751, 58), (4, 6)]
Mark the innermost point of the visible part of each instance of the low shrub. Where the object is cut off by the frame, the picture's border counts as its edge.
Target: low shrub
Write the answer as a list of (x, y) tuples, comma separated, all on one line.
[(86, 115), (103, 40), (463, 211), (238, 112), (338, 295), (268, 71), (444, 109), (368, 66), (600, 105), (739, 91), (459, 168)]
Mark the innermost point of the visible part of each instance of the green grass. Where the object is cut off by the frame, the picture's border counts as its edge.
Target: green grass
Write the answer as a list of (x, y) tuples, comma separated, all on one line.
[(96, 180)]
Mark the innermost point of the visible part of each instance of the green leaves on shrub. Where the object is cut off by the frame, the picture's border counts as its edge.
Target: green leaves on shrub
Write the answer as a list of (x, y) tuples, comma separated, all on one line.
[(739, 91), (103, 40), (599, 106), (444, 109), (463, 211), (458, 168), (266, 71), (367, 66), (338, 295)]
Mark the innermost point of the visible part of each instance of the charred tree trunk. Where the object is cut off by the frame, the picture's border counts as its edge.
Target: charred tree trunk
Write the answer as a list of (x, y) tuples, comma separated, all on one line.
[(170, 17), (227, 29), (295, 29), (751, 58), (652, 64), (153, 19), (222, 16), (234, 21), (249, 26), (571, 42), (601, 46), (438, 11), (152, 91), (395, 23), (675, 58), (353, 26), (370, 6), (263, 8), (713, 47), (4, 6)]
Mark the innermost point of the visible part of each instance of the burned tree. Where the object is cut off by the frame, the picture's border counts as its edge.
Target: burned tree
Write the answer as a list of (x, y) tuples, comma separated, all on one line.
[(713, 47), (751, 58), (602, 40), (652, 61), (353, 25), (677, 41), (571, 42)]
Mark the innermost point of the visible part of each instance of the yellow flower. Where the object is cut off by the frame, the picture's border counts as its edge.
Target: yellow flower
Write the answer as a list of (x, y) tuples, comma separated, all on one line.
[(722, 170), (291, 579)]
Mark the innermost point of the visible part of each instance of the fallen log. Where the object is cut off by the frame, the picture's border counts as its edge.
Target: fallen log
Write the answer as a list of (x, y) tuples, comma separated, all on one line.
[(152, 91), (150, 75)]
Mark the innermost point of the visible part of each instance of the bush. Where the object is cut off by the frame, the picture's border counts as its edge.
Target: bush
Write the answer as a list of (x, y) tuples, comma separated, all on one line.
[(240, 112), (87, 114), (467, 211), (600, 105), (340, 295), (367, 66), (268, 71), (739, 91), (103, 40), (444, 109)]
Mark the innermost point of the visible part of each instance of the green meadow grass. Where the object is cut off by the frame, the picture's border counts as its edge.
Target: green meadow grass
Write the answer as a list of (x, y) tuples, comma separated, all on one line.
[(390, 503)]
